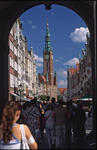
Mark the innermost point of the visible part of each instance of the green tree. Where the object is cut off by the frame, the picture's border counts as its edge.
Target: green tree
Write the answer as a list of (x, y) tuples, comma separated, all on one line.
[(59, 97), (44, 98)]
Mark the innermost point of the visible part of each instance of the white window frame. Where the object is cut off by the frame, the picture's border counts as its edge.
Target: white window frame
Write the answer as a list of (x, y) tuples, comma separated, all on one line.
[(11, 46)]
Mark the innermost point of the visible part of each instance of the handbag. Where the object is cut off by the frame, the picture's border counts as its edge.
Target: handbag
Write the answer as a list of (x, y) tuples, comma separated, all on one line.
[(24, 144)]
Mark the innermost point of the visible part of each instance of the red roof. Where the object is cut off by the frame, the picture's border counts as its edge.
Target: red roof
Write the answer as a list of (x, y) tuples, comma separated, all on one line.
[(72, 70), (74, 99), (62, 90), (77, 67), (42, 78)]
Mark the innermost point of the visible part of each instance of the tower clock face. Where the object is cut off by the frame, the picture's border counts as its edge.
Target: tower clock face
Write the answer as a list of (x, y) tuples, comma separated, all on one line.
[(46, 57)]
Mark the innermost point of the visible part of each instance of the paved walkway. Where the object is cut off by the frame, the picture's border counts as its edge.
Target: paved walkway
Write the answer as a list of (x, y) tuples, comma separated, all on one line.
[(82, 145), (86, 144)]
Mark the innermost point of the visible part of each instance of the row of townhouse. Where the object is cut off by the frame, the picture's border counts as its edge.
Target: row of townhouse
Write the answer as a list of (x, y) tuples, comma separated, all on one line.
[(79, 79), (23, 78)]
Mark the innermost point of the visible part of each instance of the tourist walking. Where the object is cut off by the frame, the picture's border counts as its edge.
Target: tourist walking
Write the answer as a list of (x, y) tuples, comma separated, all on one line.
[(32, 119), (80, 123), (49, 125), (60, 122), (11, 132), (68, 133), (41, 120)]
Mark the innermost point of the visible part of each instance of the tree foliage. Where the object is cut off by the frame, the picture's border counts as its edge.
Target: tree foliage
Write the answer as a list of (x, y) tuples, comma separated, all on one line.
[(44, 98)]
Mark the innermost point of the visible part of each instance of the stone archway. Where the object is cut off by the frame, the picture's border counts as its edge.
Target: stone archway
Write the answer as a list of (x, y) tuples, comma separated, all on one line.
[(10, 11)]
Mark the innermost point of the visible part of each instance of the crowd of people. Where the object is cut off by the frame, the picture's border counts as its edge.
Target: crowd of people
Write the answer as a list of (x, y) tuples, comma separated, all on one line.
[(57, 121)]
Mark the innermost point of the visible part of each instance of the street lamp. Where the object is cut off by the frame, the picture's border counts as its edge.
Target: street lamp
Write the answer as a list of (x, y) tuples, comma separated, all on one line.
[(20, 90)]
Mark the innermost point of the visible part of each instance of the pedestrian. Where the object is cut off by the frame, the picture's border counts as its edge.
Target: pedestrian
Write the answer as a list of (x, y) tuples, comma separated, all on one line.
[(53, 102), (32, 119), (49, 125), (41, 120), (10, 134), (68, 124), (80, 124), (60, 122), (74, 120)]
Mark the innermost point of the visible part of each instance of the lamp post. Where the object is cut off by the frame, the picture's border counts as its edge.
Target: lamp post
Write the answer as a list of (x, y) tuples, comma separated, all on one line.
[(20, 90)]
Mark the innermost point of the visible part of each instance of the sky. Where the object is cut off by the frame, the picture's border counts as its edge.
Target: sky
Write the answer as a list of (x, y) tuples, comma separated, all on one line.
[(67, 33)]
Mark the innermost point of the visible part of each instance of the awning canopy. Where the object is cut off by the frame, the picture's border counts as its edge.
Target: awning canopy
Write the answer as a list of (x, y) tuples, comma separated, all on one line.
[(85, 99), (25, 99), (22, 98), (74, 99), (14, 94)]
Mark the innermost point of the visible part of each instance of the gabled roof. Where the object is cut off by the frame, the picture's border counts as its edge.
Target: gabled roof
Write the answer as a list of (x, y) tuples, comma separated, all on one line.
[(72, 70), (77, 67), (43, 79), (62, 90)]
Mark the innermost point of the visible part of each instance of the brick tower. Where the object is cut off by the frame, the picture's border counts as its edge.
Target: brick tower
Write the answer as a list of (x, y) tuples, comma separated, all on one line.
[(48, 66)]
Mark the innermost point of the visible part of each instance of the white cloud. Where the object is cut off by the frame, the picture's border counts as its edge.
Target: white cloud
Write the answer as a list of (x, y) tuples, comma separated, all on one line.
[(63, 83), (39, 64), (33, 27), (62, 73), (79, 34), (72, 62), (65, 73), (39, 60)]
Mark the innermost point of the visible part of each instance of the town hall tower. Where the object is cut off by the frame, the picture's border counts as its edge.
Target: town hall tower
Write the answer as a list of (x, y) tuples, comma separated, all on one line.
[(51, 80)]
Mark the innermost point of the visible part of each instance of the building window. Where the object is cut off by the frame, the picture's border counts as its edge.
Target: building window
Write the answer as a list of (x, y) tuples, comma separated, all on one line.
[(11, 80), (15, 50), (10, 61), (11, 31), (15, 66), (15, 81), (19, 69), (11, 45)]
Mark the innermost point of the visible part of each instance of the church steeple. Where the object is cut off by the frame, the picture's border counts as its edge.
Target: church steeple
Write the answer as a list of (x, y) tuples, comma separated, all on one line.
[(47, 40)]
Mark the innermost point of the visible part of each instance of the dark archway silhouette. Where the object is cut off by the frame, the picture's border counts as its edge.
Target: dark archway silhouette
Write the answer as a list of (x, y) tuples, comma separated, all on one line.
[(10, 11)]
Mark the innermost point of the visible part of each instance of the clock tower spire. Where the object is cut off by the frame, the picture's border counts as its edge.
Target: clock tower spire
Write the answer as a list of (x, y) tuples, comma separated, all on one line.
[(47, 39), (51, 82), (48, 57)]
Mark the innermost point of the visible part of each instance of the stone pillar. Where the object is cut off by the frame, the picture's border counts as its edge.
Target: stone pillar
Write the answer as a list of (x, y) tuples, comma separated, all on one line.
[(3, 76), (94, 72), (94, 68)]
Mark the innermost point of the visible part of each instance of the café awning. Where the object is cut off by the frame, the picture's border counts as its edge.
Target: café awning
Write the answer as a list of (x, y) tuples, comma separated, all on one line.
[(22, 98), (86, 98)]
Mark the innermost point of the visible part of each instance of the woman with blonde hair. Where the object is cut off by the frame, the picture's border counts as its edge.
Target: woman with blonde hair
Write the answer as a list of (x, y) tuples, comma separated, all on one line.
[(10, 130)]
